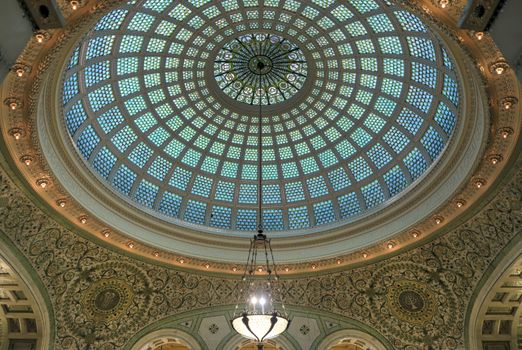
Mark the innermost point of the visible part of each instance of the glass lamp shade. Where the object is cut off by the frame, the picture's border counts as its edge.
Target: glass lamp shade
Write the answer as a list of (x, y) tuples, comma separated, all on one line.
[(261, 326)]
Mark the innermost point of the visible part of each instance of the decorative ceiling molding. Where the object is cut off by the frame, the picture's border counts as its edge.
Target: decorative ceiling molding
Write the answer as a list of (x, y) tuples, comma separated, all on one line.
[(448, 267), (416, 297), (21, 122)]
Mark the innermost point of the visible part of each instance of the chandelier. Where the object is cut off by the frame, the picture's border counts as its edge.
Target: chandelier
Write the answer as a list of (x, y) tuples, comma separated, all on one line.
[(258, 317)]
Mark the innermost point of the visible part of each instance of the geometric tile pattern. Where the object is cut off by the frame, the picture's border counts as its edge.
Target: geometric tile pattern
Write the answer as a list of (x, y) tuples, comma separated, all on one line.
[(380, 106)]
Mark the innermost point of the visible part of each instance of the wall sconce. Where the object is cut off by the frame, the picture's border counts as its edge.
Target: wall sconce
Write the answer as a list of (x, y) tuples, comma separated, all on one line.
[(438, 219), (415, 233), (75, 4), (479, 35), (460, 203), (508, 102), (16, 133), (443, 3), (499, 67), (27, 160), (479, 183), (20, 69), (13, 103), (43, 183), (495, 158)]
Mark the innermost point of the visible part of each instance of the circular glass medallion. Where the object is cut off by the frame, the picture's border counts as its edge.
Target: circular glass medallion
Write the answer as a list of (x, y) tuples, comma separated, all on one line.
[(260, 69)]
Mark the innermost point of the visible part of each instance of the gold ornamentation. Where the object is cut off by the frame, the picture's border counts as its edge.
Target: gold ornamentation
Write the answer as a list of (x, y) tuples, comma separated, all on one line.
[(508, 102), (13, 103), (412, 302), (499, 67), (106, 300)]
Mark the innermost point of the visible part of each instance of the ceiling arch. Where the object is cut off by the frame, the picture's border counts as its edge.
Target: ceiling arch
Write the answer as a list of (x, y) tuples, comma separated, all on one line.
[(495, 320)]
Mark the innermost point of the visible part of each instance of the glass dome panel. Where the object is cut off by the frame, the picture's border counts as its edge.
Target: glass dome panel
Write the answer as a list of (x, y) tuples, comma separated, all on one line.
[(377, 103)]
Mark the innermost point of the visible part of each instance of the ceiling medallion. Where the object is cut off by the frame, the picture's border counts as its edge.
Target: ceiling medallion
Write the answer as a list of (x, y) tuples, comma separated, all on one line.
[(106, 300), (260, 68), (412, 302)]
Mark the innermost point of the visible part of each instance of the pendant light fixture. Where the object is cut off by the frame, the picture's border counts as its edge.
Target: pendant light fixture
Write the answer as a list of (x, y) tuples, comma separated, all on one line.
[(256, 315)]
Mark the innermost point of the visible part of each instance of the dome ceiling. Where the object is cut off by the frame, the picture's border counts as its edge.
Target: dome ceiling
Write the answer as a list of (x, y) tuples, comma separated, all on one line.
[(160, 100)]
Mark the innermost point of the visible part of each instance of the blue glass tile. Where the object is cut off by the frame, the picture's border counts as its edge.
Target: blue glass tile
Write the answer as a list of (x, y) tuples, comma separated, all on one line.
[(221, 217), (410, 121), (450, 90), (339, 179), (73, 61), (396, 139), (124, 179), (101, 97), (180, 178), (447, 60), (421, 47), (100, 46), (159, 168), (317, 187), (146, 193), (70, 88), (140, 154), (104, 162), (246, 220), (96, 73), (294, 192), (273, 219), (248, 193), (74, 117), (445, 118), (298, 218), (110, 120), (395, 180), (170, 204), (379, 156), (419, 99), (433, 142), (202, 186), (424, 74), (141, 22), (328, 158), (415, 163), (195, 212), (225, 191), (360, 169), (348, 205), (290, 170), (323, 212), (271, 194), (124, 138), (111, 21), (410, 22), (87, 141), (373, 194)]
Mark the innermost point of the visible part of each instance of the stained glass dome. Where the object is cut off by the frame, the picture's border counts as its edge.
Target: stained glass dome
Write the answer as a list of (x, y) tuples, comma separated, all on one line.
[(260, 69), (373, 103)]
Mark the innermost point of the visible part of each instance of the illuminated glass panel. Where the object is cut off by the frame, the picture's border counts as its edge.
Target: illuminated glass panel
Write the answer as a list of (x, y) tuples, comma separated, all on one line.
[(376, 114)]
